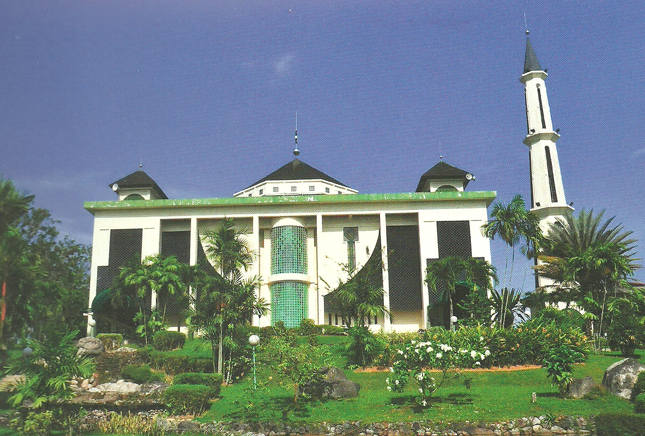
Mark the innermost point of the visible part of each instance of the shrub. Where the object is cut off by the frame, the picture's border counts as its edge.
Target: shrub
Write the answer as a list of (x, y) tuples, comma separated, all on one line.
[(173, 364), (364, 347), (213, 381), (168, 340), (111, 341), (332, 330), (187, 399), (307, 327), (141, 374), (639, 386), (639, 403), (558, 363), (109, 365), (129, 424), (623, 332), (612, 424)]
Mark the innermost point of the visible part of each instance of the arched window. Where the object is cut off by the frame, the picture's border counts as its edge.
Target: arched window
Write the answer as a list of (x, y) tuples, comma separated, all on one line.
[(133, 197), (446, 188)]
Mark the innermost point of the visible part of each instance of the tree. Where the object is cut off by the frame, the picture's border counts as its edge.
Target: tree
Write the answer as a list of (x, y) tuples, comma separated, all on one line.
[(514, 225), (155, 275), (476, 303), (588, 259), (447, 271), (227, 248), (506, 307)]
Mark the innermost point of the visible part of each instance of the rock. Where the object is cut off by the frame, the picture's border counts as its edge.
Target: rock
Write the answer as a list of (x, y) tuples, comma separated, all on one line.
[(90, 346), (85, 384), (188, 426), (339, 386), (580, 387), (620, 377), (125, 350), (120, 387)]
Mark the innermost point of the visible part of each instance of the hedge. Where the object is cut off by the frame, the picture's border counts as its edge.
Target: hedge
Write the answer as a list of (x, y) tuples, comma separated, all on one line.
[(141, 374), (175, 364), (166, 340), (187, 399), (614, 424), (213, 381)]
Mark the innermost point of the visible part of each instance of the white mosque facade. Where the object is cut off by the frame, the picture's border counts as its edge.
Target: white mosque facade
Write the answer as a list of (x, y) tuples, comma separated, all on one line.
[(305, 227)]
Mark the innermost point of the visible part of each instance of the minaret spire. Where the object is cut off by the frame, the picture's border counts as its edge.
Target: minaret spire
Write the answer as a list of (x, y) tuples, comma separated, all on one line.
[(296, 152), (548, 202)]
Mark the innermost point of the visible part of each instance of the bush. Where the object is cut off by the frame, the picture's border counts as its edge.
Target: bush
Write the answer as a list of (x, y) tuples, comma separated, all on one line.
[(332, 330), (141, 374), (175, 364), (364, 348), (558, 363), (165, 340), (639, 403), (187, 399), (109, 365), (111, 341), (612, 424), (213, 381), (639, 386), (307, 327)]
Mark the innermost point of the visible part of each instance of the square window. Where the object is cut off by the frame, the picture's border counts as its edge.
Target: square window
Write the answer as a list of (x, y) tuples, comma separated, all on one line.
[(275, 189), (312, 188), (339, 192), (327, 190), (294, 189), (261, 191)]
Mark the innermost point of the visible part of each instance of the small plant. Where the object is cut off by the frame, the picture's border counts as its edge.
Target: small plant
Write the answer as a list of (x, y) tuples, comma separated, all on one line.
[(639, 386), (141, 374), (188, 399), (35, 423), (166, 340), (148, 324), (111, 341), (639, 403), (415, 358), (558, 363), (129, 424)]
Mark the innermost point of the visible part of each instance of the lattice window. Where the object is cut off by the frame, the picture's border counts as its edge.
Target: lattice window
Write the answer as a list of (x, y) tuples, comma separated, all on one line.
[(289, 303), (350, 235), (289, 250)]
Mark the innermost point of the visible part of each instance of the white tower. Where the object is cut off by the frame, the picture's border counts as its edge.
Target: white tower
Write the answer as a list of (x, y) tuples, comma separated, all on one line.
[(547, 191)]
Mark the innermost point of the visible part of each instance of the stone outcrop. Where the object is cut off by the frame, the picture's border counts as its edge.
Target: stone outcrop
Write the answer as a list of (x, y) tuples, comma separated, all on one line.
[(335, 385), (580, 387), (619, 378), (90, 346)]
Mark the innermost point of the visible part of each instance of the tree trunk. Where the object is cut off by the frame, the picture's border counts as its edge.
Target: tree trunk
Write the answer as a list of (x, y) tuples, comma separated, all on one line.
[(220, 353)]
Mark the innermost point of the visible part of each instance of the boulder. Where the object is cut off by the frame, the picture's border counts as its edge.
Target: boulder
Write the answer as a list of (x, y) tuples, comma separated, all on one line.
[(620, 377), (90, 346), (580, 387), (335, 384), (120, 387)]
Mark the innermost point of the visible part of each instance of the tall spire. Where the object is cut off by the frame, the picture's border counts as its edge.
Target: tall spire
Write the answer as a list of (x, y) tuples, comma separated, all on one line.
[(531, 62)]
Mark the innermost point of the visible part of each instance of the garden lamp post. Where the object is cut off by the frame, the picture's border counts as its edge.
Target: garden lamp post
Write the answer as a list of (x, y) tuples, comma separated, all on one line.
[(453, 321), (27, 352), (253, 341)]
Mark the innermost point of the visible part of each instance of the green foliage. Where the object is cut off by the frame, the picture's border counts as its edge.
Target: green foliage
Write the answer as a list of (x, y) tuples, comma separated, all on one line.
[(558, 363), (35, 423), (639, 403), (50, 369), (300, 364), (416, 358), (307, 327), (118, 424), (364, 347), (111, 341), (168, 340), (626, 329), (506, 307), (188, 399), (613, 424), (639, 386), (141, 374), (173, 364), (148, 324), (214, 381)]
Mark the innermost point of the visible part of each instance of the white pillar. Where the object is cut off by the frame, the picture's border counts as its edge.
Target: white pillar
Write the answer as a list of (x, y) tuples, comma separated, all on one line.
[(386, 281)]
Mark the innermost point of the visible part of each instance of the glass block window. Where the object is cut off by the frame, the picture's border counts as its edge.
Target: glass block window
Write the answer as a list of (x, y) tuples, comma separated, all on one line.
[(312, 188), (289, 250), (275, 189), (289, 303), (294, 189)]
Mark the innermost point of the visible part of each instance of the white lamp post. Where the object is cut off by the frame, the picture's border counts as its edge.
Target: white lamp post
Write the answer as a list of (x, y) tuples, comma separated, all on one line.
[(453, 321), (253, 341)]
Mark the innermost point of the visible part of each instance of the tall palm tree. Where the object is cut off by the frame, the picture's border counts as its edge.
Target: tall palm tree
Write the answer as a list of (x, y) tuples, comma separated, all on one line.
[(514, 225), (231, 255)]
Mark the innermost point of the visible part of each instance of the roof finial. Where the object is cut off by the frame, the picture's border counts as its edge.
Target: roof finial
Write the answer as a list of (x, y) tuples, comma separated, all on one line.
[(526, 26), (296, 152)]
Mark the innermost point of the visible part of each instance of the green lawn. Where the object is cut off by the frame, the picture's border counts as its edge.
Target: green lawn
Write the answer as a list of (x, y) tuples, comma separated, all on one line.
[(493, 396)]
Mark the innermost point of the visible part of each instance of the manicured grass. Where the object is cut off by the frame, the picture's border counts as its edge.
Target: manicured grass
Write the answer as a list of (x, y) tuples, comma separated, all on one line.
[(493, 396)]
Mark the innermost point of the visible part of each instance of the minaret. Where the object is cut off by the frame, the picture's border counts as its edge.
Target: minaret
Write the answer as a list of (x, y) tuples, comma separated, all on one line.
[(548, 202), (547, 191)]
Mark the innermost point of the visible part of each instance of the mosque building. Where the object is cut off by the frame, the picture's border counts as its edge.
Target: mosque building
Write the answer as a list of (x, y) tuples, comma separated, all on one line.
[(308, 230)]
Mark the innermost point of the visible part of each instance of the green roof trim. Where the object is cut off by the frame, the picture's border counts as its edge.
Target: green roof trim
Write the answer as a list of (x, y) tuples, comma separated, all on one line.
[(487, 196)]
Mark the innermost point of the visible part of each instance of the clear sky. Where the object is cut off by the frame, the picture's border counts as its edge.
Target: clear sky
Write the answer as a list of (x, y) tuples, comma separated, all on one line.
[(204, 95)]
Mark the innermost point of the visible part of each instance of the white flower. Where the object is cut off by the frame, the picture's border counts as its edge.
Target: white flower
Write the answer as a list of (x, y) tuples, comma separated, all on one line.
[(473, 354), (429, 350), (420, 376), (400, 351), (416, 351), (389, 388), (487, 352), (477, 363), (425, 403), (481, 338), (396, 382), (405, 356), (387, 380), (391, 369), (439, 355), (414, 342), (420, 390)]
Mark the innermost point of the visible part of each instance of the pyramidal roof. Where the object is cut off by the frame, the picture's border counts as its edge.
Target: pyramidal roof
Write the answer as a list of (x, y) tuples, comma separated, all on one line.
[(531, 62), (443, 171), (298, 170), (139, 179)]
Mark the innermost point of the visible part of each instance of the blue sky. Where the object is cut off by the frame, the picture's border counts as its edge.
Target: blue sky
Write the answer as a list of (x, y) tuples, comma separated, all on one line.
[(204, 94)]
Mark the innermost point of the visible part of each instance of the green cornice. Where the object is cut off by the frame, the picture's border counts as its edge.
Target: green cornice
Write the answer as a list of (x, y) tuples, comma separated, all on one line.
[(487, 196)]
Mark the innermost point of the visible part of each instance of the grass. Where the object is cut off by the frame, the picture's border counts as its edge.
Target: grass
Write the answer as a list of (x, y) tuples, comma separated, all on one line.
[(493, 396)]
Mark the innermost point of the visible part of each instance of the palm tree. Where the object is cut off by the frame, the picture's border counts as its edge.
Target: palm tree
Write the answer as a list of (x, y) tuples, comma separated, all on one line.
[(587, 258), (230, 253), (514, 224), (447, 271), (506, 306)]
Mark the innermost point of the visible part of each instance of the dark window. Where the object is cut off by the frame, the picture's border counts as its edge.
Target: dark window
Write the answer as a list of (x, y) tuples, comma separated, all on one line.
[(453, 238), (350, 234), (541, 108), (549, 167), (404, 268)]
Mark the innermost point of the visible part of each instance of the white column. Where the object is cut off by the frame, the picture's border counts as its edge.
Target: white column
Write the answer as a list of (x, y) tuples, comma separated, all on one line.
[(423, 238), (255, 269), (321, 298), (386, 281), (151, 245)]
